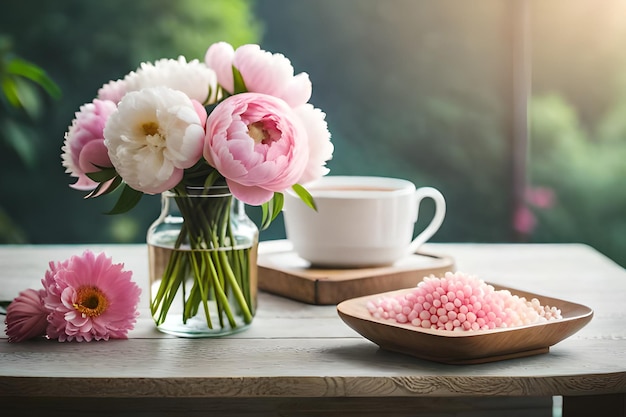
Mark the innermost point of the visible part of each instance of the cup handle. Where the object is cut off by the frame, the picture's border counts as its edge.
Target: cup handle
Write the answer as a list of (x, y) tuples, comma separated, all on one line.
[(435, 223)]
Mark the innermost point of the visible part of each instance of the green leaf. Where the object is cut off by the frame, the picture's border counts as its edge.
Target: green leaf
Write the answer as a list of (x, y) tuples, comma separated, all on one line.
[(103, 175), (34, 73), (279, 200), (265, 216), (9, 89), (271, 209), (29, 98), (110, 188), (304, 196), (21, 138), (238, 82), (128, 199)]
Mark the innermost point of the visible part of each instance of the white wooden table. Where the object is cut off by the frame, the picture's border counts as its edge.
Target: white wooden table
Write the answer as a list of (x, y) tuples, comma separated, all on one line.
[(302, 360)]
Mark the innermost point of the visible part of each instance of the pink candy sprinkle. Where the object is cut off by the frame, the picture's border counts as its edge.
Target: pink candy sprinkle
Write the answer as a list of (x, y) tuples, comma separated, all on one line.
[(461, 302)]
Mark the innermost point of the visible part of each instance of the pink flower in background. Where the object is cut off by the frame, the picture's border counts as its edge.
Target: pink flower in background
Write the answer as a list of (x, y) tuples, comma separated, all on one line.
[(524, 220), (89, 298), (541, 197), (154, 135), (258, 144), (84, 149), (262, 72), (26, 316)]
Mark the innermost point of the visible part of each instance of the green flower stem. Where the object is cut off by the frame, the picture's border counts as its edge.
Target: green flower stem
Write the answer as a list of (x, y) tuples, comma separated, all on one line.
[(167, 290), (238, 294), (172, 265), (221, 298), (204, 296), (219, 271), (218, 284)]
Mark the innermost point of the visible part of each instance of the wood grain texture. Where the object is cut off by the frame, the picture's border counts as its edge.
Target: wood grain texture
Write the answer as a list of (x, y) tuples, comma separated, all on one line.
[(283, 272), (296, 350)]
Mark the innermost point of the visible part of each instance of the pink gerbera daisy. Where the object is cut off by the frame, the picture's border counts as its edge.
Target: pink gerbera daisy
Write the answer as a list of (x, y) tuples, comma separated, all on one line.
[(26, 316), (90, 298)]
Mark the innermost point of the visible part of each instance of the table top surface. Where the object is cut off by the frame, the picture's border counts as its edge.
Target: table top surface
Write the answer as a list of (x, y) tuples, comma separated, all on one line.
[(295, 349)]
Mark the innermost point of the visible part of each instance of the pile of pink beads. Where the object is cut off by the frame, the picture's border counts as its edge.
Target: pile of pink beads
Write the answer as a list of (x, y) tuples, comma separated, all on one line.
[(459, 301)]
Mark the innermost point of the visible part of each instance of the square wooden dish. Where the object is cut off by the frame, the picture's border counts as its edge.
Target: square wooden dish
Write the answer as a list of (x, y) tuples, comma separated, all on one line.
[(466, 347), (281, 271)]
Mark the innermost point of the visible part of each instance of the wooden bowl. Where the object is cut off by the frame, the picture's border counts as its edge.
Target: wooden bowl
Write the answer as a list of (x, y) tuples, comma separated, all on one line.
[(465, 347)]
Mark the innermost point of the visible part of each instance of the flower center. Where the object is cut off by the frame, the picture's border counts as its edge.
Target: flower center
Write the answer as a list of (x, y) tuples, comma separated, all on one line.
[(257, 132), (150, 128), (90, 301), (153, 136), (263, 131)]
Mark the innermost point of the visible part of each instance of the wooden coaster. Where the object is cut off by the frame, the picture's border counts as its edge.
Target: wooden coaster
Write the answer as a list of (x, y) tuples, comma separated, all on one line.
[(282, 272)]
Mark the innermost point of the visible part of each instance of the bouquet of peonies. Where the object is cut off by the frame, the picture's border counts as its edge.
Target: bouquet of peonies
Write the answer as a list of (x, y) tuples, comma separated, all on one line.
[(240, 120), (149, 132)]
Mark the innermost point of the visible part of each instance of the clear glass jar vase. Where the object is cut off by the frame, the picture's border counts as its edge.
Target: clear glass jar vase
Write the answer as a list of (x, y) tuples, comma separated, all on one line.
[(202, 259)]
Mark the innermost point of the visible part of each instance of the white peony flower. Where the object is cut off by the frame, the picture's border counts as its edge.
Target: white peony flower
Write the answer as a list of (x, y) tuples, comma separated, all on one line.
[(193, 78), (320, 147), (153, 136)]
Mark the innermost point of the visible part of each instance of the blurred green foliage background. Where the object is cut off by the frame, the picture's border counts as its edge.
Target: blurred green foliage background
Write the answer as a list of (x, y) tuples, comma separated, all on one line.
[(412, 88)]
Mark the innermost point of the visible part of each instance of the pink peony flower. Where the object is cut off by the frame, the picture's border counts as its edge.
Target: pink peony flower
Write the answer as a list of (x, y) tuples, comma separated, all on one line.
[(273, 74), (262, 72), (154, 135), (113, 91), (26, 316), (84, 149), (258, 144), (89, 298)]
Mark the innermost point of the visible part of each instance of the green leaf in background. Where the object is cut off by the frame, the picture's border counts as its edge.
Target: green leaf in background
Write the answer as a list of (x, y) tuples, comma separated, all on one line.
[(29, 98), (19, 89), (19, 82), (34, 73), (21, 138), (128, 199), (304, 196), (9, 90)]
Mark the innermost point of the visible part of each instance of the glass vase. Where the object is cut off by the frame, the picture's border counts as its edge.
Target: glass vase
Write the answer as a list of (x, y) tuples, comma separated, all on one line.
[(202, 259)]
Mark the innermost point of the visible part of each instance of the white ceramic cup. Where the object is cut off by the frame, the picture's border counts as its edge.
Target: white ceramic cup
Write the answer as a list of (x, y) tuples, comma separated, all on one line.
[(360, 221)]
